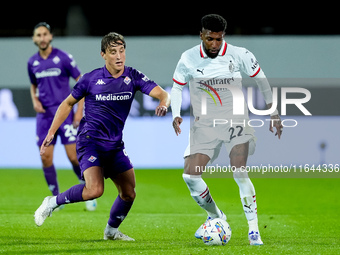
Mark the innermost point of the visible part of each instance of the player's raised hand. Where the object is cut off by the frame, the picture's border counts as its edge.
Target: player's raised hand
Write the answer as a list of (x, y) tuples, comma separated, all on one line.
[(176, 123), (46, 143), (276, 122), (161, 110)]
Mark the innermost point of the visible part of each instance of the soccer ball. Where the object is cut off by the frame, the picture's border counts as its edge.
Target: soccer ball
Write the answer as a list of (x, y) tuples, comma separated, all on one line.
[(216, 232)]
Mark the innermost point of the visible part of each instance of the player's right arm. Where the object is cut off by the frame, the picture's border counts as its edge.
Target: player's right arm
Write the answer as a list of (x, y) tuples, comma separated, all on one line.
[(180, 79), (37, 106), (176, 102), (63, 111)]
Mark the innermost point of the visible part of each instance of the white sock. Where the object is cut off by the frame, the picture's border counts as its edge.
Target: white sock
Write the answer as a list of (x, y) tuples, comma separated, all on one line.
[(111, 229), (52, 203), (244, 183), (200, 193), (247, 194), (253, 225)]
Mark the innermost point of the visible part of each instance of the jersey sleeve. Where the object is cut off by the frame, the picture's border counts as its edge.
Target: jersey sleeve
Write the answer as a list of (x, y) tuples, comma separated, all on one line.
[(142, 82), (31, 74), (181, 73), (249, 64), (70, 66), (80, 89)]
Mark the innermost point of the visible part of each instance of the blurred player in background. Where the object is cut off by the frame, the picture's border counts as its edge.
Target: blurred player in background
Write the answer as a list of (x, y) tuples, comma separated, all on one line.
[(204, 67), (49, 71), (108, 93)]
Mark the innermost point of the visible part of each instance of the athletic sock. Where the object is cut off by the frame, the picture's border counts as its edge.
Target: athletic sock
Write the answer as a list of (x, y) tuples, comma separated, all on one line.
[(119, 211), (72, 195), (51, 179), (52, 203), (253, 225), (111, 230), (201, 194), (248, 197)]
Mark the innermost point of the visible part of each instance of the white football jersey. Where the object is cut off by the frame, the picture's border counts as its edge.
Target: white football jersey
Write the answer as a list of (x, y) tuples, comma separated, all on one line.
[(211, 80)]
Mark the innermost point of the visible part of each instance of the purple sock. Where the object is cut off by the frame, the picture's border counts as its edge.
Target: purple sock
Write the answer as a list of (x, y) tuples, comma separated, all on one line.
[(77, 171), (72, 195), (51, 179), (119, 210)]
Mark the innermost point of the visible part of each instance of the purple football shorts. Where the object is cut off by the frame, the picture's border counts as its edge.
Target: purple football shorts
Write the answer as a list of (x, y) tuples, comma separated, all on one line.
[(67, 132), (94, 153)]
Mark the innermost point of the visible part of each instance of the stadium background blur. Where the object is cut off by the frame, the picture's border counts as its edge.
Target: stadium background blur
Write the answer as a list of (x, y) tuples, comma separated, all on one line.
[(295, 46)]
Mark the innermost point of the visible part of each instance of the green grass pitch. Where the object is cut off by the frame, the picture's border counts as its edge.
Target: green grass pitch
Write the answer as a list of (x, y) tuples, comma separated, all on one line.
[(296, 216)]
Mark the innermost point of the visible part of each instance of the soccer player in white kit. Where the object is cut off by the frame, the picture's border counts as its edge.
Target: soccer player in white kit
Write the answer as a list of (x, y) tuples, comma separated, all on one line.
[(213, 72)]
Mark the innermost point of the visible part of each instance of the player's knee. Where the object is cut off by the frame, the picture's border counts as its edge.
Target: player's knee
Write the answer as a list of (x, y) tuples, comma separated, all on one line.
[(98, 192), (47, 160), (95, 192), (128, 196)]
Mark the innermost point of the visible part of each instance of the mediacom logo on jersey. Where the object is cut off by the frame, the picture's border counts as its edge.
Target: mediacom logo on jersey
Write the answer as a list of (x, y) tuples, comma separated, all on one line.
[(48, 73), (114, 97)]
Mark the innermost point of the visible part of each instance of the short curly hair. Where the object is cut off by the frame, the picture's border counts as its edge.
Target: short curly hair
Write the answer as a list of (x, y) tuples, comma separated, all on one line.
[(112, 39), (214, 22)]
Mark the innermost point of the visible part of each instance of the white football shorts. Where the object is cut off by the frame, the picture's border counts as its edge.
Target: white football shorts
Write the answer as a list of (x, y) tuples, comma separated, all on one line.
[(209, 140)]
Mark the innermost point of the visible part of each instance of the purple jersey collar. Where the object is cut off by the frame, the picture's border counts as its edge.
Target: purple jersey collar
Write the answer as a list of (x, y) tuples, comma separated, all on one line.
[(108, 75)]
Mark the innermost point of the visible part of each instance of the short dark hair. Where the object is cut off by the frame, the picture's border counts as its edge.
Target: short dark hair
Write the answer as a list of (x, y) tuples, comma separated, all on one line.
[(42, 24), (112, 39), (214, 22)]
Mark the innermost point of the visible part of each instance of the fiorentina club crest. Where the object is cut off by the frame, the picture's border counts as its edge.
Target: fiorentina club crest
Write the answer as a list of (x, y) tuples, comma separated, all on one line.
[(92, 159), (127, 80)]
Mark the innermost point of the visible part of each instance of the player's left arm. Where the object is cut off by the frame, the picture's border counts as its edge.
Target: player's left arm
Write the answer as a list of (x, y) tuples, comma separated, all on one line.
[(164, 100), (251, 67), (263, 84)]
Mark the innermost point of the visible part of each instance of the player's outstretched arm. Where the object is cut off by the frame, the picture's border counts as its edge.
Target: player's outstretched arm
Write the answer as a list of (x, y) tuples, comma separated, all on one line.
[(164, 100), (63, 111)]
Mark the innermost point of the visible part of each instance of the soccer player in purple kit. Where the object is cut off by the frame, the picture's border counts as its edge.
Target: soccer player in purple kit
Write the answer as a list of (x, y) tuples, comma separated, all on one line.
[(108, 92), (49, 71)]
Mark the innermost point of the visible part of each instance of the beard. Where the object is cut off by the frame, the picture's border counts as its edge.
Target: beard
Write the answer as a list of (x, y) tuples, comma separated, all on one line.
[(210, 54), (43, 45)]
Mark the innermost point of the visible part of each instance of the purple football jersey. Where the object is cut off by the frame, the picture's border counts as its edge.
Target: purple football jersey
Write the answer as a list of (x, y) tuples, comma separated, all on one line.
[(107, 103), (51, 76)]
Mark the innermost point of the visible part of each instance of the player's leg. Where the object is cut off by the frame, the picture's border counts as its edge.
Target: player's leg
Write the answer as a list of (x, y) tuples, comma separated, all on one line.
[(198, 188), (125, 183), (238, 159), (72, 156), (49, 170), (68, 135), (43, 123), (93, 188), (70, 149)]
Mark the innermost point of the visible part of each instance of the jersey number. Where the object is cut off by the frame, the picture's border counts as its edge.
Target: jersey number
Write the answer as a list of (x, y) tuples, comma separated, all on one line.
[(232, 130), (70, 132)]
